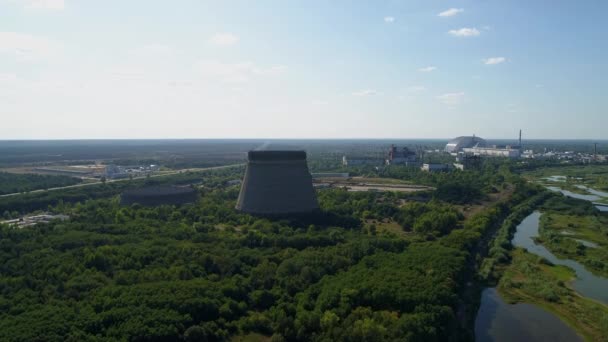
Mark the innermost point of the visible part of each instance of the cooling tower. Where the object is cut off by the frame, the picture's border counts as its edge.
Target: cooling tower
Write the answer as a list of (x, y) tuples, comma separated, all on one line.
[(277, 183)]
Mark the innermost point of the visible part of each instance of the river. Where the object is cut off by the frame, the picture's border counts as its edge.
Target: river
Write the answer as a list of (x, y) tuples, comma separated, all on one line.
[(499, 321), (586, 283)]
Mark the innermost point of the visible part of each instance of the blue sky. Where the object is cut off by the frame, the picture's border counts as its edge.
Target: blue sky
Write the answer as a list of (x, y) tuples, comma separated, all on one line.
[(302, 69)]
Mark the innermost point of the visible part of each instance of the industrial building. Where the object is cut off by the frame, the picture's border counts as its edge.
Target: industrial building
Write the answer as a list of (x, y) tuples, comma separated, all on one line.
[(493, 151), (458, 144), (403, 156), (159, 195), (435, 167), (32, 220), (277, 183), (477, 146)]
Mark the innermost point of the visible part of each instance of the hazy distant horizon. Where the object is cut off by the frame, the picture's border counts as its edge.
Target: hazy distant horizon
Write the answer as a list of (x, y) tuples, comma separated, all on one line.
[(293, 139)]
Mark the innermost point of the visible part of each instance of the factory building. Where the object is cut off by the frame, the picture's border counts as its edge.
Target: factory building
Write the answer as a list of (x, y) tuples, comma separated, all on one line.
[(494, 151), (277, 183), (403, 156), (159, 195), (458, 144), (435, 167)]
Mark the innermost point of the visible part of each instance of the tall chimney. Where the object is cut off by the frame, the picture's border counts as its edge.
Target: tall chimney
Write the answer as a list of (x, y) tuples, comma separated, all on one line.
[(520, 138), (595, 152)]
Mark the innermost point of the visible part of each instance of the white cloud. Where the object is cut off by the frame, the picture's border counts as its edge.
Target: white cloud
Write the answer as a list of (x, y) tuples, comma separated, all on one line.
[(40, 4), (224, 39), (365, 92), (465, 32), (389, 19), (26, 47), (494, 60), (451, 12), (451, 99), (427, 69), (236, 72)]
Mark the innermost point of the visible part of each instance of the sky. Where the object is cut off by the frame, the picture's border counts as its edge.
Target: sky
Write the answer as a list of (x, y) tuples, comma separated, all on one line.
[(73, 69)]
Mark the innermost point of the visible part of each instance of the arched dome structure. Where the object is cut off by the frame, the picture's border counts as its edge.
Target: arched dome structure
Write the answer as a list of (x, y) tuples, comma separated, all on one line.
[(457, 144)]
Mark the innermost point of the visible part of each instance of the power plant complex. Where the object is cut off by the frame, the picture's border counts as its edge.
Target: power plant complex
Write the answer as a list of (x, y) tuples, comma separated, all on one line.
[(476, 146), (277, 183)]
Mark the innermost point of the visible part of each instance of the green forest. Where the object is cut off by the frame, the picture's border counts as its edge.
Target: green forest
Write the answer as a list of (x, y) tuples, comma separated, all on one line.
[(15, 182), (205, 272)]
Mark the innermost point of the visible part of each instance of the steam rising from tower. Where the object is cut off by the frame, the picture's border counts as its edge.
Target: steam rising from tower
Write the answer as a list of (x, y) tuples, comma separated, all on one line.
[(277, 183)]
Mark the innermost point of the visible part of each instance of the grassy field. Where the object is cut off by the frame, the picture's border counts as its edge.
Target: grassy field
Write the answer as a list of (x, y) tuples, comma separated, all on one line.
[(558, 232), (531, 279)]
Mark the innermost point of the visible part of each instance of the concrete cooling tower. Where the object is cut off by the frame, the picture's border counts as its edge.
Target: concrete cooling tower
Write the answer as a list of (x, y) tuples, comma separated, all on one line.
[(277, 183)]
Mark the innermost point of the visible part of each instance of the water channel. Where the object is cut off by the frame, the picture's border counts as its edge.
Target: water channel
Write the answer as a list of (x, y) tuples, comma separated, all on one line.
[(500, 321), (586, 283)]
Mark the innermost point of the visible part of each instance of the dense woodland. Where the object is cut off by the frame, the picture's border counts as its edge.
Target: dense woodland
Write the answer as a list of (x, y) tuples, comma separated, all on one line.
[(204, 272), (14, 183)]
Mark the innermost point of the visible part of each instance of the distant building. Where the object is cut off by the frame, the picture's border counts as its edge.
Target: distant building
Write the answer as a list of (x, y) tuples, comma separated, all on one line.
[(458, 144), (403, 156), (467, 161), (507, 151), (28, 221), (435, 167), (115, 172)]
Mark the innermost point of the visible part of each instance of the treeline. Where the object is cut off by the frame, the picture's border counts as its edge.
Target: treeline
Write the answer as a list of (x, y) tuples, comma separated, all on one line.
[(499, 250), (14, 183), (25, 203)]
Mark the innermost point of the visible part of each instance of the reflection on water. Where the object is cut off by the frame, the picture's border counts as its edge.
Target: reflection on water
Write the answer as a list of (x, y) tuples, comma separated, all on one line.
[(498, 321), (593, 191), (575, 195), (586, 283), (596, 195)]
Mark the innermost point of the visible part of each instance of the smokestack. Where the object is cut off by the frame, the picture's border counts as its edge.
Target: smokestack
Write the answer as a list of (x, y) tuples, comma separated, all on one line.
[(595, 151), (277, 183), (520, 138)]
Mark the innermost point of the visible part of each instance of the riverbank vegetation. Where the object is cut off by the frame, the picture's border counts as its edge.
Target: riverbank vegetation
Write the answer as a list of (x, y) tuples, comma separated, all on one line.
[(500, 247), (572, 177), (531, 279), (575, 229), (524, 277)]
